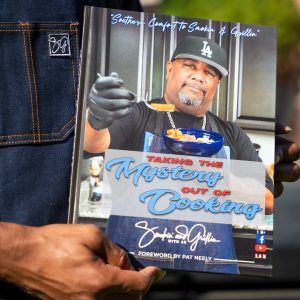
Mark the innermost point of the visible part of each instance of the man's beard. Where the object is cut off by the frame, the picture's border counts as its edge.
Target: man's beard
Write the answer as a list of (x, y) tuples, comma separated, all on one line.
[(192, 101)]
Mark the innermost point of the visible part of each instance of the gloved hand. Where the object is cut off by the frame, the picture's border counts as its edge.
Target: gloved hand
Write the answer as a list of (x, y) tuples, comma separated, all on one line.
[(108, 101)]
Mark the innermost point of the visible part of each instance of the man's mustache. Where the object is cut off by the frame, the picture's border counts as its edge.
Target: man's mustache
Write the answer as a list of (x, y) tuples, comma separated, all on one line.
[(197, 86)]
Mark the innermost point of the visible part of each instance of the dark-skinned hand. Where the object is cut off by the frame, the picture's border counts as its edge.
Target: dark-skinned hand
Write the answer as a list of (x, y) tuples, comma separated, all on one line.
[(286, 155)]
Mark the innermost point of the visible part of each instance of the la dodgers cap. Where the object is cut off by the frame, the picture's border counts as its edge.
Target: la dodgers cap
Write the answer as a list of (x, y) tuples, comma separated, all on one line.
[(202, 49)]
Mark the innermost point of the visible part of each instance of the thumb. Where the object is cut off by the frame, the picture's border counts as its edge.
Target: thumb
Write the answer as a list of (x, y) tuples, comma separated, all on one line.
[(134, 282), (153, 272)]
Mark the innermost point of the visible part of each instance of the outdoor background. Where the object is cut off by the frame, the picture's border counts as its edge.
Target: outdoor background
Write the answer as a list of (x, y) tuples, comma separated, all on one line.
[(285, 15)]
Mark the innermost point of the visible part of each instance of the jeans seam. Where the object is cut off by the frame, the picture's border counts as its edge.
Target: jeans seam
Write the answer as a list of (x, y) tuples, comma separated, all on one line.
[(23, 30), (40, 24), (77, 44), (31, 26), (73, 74), (29, 141), (30, 87), (35, 89), (30, 134)]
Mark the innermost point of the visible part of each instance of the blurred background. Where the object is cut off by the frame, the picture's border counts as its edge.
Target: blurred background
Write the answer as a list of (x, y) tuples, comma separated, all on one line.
[(285, 284)]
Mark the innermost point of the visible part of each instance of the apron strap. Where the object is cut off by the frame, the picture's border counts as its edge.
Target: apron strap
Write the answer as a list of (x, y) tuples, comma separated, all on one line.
[(214, 127), (159, 123), (212, 123)]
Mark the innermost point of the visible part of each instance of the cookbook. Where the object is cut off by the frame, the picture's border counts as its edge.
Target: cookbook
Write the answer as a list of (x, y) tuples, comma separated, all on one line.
[(181, 173)]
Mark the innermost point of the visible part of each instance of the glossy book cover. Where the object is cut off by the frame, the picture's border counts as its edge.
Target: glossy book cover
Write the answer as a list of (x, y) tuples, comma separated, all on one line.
[(186, 179)]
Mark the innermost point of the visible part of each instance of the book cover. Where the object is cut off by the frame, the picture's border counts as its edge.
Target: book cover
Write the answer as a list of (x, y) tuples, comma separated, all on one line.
[(185, 181)]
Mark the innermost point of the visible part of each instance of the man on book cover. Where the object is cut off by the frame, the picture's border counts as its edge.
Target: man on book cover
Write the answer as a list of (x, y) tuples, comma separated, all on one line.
[(192, 77), (193, 74)]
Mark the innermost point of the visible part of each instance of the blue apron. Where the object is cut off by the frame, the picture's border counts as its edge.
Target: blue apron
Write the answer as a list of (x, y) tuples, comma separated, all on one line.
[(154, 143)]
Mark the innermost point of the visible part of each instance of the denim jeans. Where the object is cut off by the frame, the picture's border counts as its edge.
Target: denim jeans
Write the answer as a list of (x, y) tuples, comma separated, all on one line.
[(38, 94), (56, 10)]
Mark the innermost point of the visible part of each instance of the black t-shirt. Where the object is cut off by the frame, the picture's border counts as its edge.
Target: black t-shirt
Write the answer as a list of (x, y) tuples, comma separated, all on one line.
[(128, 132)]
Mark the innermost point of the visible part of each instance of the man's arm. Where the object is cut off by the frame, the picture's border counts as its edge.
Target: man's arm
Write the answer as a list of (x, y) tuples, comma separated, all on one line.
[(108, 101), (96, 141), (69, 262)]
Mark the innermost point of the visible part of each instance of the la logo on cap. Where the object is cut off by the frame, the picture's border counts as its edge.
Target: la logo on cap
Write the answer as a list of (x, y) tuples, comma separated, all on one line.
[(206, 51)]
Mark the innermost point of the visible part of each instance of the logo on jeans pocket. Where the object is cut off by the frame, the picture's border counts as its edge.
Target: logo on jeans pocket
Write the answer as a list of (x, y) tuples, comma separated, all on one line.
[(59, 44)]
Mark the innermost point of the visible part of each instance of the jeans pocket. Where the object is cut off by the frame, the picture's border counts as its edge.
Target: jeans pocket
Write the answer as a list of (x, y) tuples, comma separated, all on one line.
[(38, 86)]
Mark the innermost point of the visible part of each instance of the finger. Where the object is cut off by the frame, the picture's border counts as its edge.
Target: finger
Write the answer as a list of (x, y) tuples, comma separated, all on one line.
[(278, 189), (116, 93), (281, 128), (109, 104), (133, 282), (288, 172), (107, 83), (107, 250), (269, 202), (125, 263), (118, 114), (118, 257), (109, 116), (286, 151)]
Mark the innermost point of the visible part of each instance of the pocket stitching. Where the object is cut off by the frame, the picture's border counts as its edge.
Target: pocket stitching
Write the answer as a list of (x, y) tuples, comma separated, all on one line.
[(30, 141), (77, 48), (35, 89), (29, 82), (23, 30), (73, 75), (40, 24), (39, 134), (30, 134)]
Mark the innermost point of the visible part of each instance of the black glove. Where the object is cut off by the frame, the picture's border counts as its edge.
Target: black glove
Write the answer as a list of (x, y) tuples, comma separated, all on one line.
[(108, 101)]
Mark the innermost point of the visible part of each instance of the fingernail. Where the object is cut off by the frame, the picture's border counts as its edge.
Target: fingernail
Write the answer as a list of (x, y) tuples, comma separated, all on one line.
[(288, 128)]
